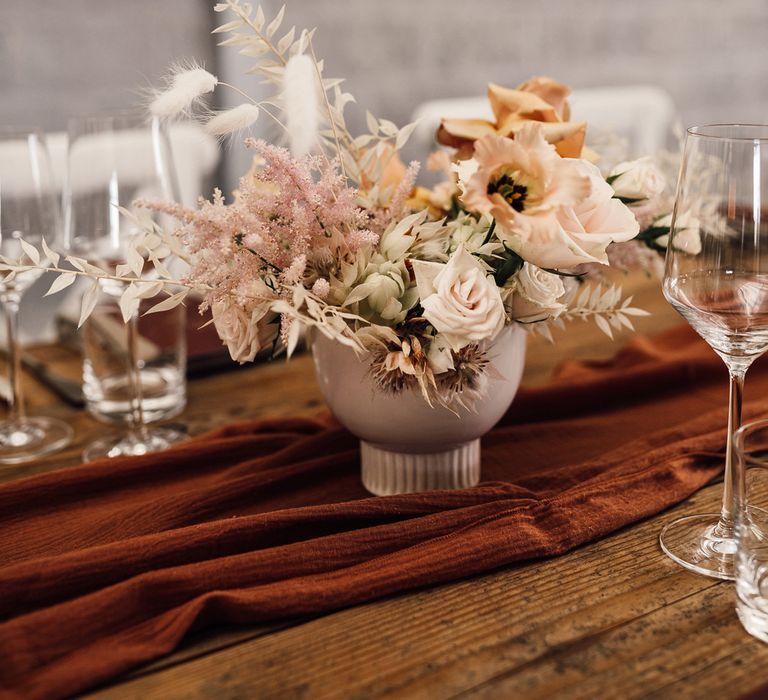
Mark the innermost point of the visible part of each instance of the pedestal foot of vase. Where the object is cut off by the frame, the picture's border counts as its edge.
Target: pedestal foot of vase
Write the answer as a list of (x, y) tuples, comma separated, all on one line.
[(406, 443), (386, 472)]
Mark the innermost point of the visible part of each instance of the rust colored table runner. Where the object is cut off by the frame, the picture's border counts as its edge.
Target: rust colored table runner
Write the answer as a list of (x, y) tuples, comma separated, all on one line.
[(109, 565)]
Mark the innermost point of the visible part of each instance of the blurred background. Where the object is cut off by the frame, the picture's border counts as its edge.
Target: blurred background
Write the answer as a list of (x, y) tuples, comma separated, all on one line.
[(63, 58)]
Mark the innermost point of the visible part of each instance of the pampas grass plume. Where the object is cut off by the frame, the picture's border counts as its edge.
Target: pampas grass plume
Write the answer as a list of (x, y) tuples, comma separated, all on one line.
[(300, 103)]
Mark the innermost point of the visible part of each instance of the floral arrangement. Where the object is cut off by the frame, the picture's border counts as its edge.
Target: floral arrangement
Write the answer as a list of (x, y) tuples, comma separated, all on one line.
[(333, 234)]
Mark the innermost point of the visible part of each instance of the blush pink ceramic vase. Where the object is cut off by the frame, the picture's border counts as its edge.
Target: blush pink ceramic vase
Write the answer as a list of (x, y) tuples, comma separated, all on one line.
[(405, 445)]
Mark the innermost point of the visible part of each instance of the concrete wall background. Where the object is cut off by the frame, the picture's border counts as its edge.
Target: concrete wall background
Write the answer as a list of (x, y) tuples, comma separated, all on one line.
[(65, 57), (60, 57), (711, 56)]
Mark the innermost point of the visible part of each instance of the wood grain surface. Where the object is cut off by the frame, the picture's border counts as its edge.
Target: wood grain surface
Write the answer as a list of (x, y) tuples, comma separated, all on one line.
[(614, 619)]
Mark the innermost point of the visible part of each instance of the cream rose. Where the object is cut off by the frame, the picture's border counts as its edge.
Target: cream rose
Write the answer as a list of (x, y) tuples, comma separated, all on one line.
[(534, 294), (687, 233), (637, 179), (459, 299), (239, 328)]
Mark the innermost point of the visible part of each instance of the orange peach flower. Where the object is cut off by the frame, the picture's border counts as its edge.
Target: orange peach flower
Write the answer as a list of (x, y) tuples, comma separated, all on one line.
[(392, 173), (539, 99)]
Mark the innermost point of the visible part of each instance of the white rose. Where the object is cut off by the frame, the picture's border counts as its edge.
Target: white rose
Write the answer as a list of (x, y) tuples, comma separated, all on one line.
[(239, 328), (687, 233), (459, 299), (637, 179), (535, 294)]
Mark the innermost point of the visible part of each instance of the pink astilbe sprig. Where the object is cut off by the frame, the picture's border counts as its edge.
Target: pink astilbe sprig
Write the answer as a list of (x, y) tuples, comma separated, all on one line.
[(291, 216), (361, 238)]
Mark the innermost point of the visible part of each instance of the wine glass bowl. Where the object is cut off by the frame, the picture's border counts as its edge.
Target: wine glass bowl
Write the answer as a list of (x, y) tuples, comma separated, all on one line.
[(112, 161), (716, 277), (29, 213)]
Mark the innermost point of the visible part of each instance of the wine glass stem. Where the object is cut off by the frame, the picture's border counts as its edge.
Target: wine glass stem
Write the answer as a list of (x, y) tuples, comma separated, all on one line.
[(731, 478), (136, 425), (10, 303)]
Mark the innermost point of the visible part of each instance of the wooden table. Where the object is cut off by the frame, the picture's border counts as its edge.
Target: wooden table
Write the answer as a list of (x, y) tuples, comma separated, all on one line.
[(614, 619)]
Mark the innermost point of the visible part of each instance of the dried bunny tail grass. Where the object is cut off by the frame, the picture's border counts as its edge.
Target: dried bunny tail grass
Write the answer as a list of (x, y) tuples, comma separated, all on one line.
[(186, 84), (232, 120), (300, 104)]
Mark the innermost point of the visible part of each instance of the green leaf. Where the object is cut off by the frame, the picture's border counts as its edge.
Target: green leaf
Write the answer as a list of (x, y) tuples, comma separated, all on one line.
[(652, 233), (488, 235), (630, 200), (511, 262)]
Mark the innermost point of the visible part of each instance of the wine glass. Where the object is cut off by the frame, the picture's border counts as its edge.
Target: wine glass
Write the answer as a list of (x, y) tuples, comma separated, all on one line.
[(29, 211), (111, 161), (716, 277)]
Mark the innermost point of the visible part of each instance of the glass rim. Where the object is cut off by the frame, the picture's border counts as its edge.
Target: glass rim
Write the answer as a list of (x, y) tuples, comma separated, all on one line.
[(699, 131)]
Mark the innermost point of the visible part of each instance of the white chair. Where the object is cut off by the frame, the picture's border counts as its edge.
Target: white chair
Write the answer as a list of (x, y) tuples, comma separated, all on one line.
[(642, 115), (195, 154)]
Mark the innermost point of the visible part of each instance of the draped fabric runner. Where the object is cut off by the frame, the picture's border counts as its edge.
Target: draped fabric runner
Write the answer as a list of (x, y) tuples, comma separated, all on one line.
[(109, 565)]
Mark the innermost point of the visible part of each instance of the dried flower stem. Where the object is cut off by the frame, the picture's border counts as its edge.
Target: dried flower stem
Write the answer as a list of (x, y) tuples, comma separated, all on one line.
[(260, 105), (112, 278), (246, 18), (327, 107)]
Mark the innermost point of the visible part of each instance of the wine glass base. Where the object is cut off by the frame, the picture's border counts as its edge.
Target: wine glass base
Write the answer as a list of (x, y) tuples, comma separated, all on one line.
[(700, 543), (157, 440), (29, 438)]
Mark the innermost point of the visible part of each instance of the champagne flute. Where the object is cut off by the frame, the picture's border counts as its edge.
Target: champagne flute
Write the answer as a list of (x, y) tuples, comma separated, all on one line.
[(716, 277), (29, 211), (111, 161)]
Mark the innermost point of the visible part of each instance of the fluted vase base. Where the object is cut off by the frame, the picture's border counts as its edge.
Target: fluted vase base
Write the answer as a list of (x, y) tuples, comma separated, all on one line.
[(386, 473)]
